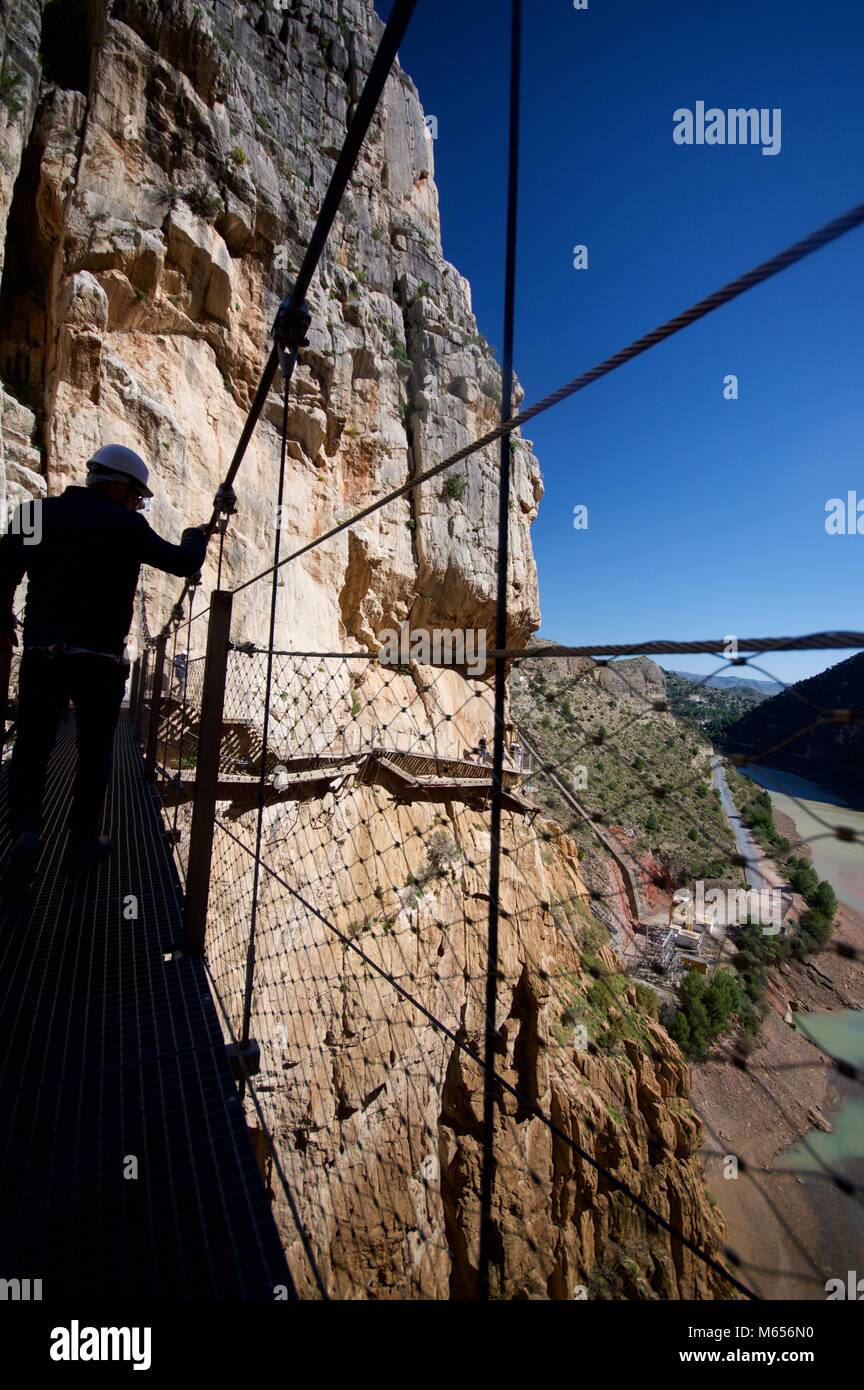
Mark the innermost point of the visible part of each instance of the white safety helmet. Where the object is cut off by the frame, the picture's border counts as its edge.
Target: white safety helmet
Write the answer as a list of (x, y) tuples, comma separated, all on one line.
[(116, 463)]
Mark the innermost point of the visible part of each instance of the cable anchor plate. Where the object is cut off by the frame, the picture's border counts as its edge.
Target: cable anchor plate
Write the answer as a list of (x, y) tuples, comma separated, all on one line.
[(225, 501), (289, 331)]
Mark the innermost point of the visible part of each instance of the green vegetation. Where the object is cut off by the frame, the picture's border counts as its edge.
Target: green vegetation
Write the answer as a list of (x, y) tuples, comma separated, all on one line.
[(817, 923), (758, 816), (170, 195), (399, 351), (225, 44), (705, 1011), (10, 83), (832, 750), (708, 1008), (455, 486), (647, 1001), (755, 952), (814, 927), (609, 1006), (203, 201), (700, 1018), (646, 777), (709, 709)]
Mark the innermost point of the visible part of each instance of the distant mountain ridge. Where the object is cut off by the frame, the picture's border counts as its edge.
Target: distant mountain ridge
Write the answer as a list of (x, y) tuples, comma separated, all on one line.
[(815, 728), (761, 687), (712, 706)]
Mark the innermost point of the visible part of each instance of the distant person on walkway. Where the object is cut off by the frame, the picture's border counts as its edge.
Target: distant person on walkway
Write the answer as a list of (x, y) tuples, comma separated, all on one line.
[(82, 561)]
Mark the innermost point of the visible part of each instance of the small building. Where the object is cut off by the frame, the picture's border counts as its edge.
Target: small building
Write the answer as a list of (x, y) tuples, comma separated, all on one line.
[(690, 941), (691, 963)]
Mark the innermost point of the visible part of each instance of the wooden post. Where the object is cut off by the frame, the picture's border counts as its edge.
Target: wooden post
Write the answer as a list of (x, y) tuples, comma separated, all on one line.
[(155, 708), (207, 772)]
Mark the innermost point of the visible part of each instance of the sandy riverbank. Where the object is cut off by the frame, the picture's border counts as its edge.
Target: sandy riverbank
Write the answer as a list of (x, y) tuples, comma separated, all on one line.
[(791, 1233)]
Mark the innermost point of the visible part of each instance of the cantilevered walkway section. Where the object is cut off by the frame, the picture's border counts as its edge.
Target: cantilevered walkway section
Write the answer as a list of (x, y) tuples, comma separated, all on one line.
[(126, 1170)]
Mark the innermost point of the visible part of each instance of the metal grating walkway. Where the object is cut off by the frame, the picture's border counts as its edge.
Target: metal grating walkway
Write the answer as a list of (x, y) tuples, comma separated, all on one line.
[(111, 1055)]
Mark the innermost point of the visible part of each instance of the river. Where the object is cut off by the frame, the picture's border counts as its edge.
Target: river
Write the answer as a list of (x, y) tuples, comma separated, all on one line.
[(816, 812)]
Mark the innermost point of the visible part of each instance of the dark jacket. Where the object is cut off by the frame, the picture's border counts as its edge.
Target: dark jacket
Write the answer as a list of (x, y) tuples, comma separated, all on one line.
[(82, 567)]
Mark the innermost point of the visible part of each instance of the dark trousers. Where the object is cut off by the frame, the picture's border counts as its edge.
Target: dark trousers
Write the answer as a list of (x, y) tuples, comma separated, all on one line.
[(45, 685)]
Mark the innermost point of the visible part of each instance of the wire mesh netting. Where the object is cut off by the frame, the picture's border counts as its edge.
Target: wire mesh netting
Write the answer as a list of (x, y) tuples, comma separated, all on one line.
[(347, 930), (171, 690), (369, 973), (465, 938)]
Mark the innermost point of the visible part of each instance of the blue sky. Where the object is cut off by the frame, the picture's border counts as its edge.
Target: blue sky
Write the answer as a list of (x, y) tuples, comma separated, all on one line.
[(706, 516)]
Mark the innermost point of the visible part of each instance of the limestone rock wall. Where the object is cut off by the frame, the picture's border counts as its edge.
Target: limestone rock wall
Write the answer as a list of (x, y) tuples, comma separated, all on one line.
[(20, 459), (159, 209)]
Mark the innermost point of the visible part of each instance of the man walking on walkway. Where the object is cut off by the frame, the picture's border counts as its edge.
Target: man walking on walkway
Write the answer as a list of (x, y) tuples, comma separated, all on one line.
[(82, 558)]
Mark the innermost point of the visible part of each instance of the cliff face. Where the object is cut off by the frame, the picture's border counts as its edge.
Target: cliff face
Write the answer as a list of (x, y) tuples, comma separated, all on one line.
[(636, 677), (162, 166), (158, 212), (378, 1113)]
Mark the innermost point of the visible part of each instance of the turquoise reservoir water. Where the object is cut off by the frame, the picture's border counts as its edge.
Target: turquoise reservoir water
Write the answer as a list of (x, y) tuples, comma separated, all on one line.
[(817, 813), (835, 1150), (840, 1034)]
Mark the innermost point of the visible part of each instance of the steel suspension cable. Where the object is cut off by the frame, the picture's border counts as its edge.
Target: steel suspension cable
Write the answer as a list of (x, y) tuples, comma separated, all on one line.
[(184, 708), (765, 271), (524, 1100), (712, 646), (265, 730), (487, 1175), (218, 564), (822, 641)]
